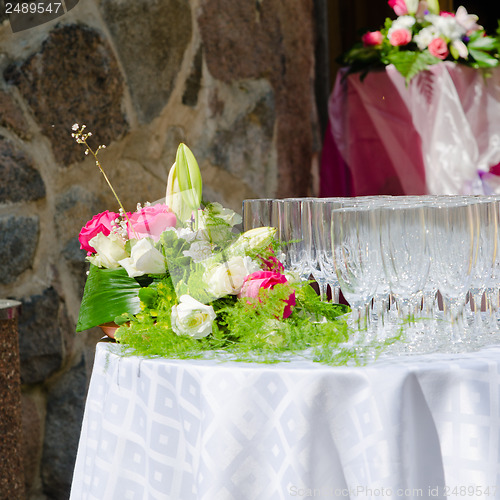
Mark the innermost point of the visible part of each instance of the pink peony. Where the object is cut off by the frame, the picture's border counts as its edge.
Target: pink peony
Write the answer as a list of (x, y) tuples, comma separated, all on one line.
[(399, 7), (372, 38), (400, 37), (100, 223), (267, 280), (439, 48), (151, 221)]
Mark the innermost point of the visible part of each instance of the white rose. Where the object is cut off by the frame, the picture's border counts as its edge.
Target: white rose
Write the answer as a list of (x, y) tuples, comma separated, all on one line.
[(192, 318), (109, 250), (144, 259), (227, 278)]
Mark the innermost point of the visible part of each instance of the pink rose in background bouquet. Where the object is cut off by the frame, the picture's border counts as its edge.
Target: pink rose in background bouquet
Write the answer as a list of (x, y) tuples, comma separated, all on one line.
[(100, 223), (400, 37), (151, 221), (254, 282), (439, 48), (399, 7), (372, 38)]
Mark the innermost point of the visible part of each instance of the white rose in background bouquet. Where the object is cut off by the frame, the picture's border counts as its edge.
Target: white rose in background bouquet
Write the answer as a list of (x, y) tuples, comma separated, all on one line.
[(179, 280)]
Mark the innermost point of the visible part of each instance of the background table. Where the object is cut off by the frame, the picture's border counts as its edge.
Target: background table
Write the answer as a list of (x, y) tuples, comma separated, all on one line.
[(438, 135), (166, 429)]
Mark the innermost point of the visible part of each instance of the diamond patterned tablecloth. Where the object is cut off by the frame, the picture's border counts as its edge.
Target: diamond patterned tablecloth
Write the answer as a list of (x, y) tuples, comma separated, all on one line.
[(403, 428)]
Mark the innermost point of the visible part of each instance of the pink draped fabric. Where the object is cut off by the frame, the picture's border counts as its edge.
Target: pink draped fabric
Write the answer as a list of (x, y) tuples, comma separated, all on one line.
[(439, 135)]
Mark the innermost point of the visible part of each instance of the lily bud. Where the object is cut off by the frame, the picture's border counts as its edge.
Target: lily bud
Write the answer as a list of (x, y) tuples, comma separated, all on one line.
[(184, 184), (412, 6), (256, 240), (433, 6)]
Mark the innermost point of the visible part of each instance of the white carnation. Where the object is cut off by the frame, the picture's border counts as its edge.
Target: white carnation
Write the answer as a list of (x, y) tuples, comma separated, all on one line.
[(199, 251), (425, 36)]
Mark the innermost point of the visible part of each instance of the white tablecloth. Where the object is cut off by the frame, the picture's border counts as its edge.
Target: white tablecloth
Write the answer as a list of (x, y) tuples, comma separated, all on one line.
[(412, 427)]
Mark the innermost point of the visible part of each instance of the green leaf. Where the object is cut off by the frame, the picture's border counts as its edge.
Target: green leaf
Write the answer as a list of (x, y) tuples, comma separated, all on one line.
[(108, 293), (409, 63), (483, 59), (483, 43)]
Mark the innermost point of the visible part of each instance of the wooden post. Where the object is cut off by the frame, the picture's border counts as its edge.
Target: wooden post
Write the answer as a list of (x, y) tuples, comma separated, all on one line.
[(11, 459)]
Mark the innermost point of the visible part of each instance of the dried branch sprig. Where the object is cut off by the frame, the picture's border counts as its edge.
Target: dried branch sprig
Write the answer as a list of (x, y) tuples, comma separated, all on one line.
[(81, 137)]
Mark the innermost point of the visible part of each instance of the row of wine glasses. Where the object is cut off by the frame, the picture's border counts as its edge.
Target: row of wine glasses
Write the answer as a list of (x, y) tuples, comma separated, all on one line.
[(407, 260)]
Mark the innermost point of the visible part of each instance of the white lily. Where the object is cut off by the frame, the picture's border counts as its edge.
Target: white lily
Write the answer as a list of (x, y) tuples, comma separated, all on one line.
[(468, 21)]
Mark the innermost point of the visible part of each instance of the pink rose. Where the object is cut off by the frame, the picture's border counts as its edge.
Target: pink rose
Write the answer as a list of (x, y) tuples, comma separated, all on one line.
[(495, 169), (267, 280), (100, 223), (151, 221), (400, 37), (439, 48), (399, 7), (271, 263), (444, 13), (372, 38)]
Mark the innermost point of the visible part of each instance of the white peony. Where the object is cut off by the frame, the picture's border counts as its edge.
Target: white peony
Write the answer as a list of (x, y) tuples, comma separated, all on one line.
[(192, 318), (227, 278), (144, 259), (109, 250)]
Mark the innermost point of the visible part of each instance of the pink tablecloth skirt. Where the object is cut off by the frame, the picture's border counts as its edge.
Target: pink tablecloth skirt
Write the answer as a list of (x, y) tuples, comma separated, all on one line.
[(438, 135)]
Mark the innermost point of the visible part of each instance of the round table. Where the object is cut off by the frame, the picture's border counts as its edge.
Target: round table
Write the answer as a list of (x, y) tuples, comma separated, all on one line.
[(425, 426)]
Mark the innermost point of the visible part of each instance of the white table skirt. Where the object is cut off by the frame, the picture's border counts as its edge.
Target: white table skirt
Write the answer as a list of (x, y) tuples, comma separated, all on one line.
[(413, 427)]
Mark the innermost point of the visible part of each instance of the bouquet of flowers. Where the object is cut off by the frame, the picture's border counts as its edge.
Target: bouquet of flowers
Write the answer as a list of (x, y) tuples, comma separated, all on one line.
[(421, 36), (178, 279)]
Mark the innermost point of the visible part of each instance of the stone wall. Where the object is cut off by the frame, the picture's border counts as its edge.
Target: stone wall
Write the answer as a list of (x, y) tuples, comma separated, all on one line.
[(234, 80)]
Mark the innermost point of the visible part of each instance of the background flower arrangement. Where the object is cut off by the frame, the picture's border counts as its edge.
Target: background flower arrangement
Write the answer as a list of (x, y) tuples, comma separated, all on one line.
[(421, 36), (180, 281)]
